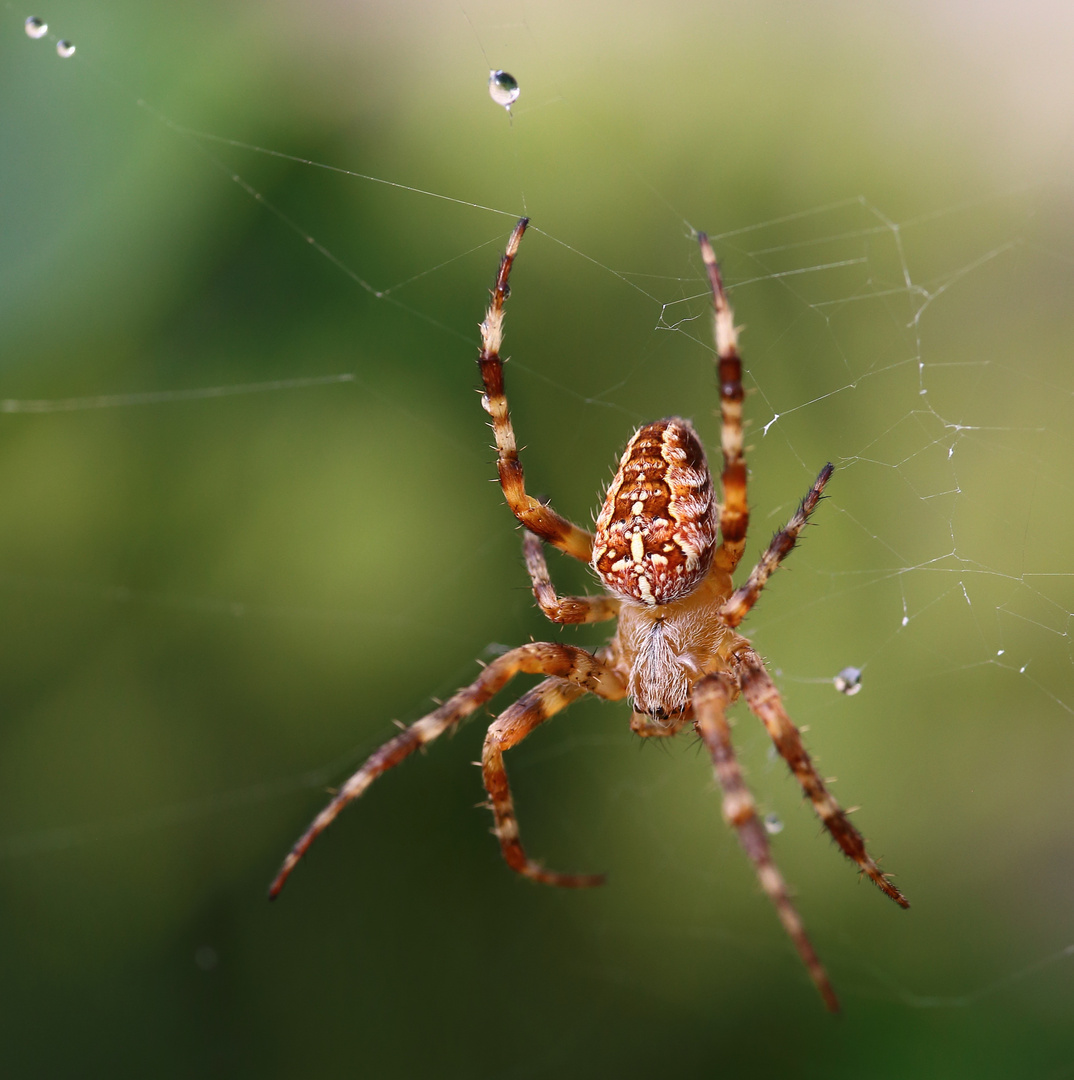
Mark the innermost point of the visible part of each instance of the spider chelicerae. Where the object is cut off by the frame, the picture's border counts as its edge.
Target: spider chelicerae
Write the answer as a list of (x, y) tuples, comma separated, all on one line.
[(675, 653)]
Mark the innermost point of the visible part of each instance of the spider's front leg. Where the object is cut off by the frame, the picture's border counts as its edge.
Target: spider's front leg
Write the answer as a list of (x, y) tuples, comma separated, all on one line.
[(711, 696), (765, 703), (509, 729), (535, 515), (576, 668)]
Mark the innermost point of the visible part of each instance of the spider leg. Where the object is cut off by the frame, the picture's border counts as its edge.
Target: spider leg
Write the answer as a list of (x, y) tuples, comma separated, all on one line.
[(510, 728), (562, 609), (577, 668), (765, 703), (711, 697), (734, 510), (739, 603), (537, 517)]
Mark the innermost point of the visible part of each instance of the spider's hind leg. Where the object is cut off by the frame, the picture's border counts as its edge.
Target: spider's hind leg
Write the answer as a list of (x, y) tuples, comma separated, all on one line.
[(535, 515), (734, 510)]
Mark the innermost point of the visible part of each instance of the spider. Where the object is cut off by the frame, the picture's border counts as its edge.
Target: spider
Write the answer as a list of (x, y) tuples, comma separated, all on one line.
[(675, 652)]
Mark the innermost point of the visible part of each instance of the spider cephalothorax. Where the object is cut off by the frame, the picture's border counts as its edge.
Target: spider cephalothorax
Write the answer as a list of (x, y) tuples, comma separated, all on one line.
[(665, 550)]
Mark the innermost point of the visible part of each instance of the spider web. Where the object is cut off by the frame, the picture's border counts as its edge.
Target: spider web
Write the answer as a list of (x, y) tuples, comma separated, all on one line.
[(249, 520)]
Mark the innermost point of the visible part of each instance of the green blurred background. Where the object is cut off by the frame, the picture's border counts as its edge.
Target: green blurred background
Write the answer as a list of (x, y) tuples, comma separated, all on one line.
[(214, 606)]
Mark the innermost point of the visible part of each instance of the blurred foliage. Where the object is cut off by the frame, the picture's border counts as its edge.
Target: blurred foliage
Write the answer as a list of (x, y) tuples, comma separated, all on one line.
[(215, 605)]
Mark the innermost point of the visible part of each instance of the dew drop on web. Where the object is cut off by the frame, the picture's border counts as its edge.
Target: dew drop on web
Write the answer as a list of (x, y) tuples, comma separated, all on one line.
[(65, 49), (35, 27), (848, 681), (503, 88), (772, 824)]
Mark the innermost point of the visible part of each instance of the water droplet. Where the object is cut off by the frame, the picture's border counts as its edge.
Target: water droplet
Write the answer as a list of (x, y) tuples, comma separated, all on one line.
[(503, 89), (848, 681), (772, 824), (64, 49), (35, 27), (906, 620)]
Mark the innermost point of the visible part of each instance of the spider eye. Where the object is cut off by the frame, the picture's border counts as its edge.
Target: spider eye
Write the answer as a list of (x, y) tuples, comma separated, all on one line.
[(656, 532)]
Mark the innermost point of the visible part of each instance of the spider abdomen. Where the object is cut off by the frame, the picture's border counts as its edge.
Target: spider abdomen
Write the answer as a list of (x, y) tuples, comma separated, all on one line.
[(656, 532)]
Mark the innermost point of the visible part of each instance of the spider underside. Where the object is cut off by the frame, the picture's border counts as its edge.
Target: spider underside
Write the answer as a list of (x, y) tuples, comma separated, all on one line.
[(665, 550)]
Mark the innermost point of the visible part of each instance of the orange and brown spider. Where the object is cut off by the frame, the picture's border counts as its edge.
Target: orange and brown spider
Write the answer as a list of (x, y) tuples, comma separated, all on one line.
[(675, 652)]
